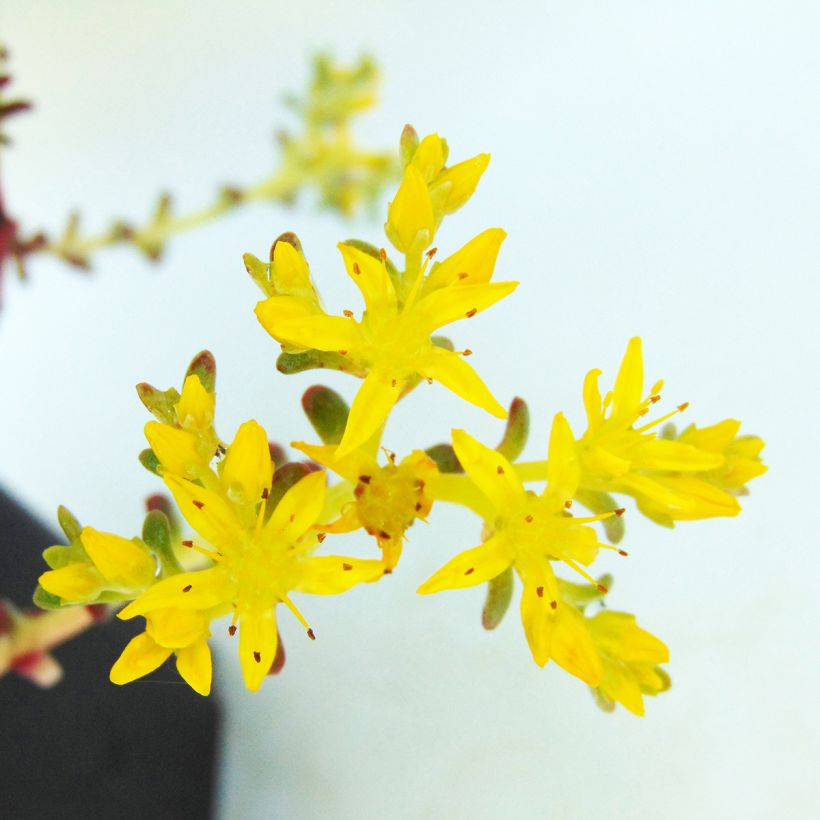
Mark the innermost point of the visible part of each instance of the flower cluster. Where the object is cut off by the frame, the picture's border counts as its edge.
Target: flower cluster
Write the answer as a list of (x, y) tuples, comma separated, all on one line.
[(261, 526)]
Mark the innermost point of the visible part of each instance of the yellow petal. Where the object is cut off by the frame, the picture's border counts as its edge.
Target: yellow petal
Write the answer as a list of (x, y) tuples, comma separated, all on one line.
[(563, 470), (350, 466), (369, 411), (618, 635), (273, 311), (618, 684), (208, 513), (626, 396), (123, 563), (77, 583), (371, 278), (471, 567), (299, 507), (319, 331), (471, 265), (177, 450), (490, 472), (430, 156), (592, 400), (572, 647), (140, 657), (290, 273), (195, 667), (332, 574), (682, 497), (458, 183), (716, 437), (456, 302), (410, 222), (195, 408), (248, 470), (257, 645), (660, 454), (174, 628), (201, 589), (537, 599), (450, 370)]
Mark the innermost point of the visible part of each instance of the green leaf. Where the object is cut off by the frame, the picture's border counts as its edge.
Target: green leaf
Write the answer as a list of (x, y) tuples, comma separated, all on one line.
[(149, 460), (517, 430), (68, 523), (445, 458), (599, 503), (156, 533), (499, 595), (327, 411), (45, 600)]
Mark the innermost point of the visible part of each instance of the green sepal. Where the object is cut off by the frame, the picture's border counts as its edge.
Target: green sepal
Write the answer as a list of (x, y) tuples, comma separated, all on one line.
[(582, 595), (203, 366), (602, 701), (149, 460), (499, 595), (291, 238), (408, 144), (327, 411), (442, 341), (289, 363), (517, 430), (669, 431), (599, 503), (259, 272), (445, 457), (160, 403), (160, 501), (284, 478), (68, 523), (58, 556), (156, 533), (45, 600)]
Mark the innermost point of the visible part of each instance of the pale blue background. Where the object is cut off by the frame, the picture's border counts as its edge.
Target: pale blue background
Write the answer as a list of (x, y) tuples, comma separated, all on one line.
[(657, 168)]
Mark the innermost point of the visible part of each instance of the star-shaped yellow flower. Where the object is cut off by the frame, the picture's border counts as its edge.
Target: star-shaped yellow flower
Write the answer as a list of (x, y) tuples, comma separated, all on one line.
[(258, 558), (529, 532), (618, 453), (391, 343)]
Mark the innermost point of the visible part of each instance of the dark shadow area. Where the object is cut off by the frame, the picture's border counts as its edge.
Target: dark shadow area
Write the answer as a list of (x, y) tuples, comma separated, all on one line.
[(88, 748)]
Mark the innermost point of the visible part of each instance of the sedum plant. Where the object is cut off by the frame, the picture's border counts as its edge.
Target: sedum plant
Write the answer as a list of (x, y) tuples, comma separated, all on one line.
[(249, 536)]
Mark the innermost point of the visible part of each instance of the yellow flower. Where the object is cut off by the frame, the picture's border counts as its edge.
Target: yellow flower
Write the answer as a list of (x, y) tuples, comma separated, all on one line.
[(630, 658), (529, 532), (169, 631), (111, 566), (385, 500), (258, 558), (391, 344), (428, 192), (183, 439), (619, 453)]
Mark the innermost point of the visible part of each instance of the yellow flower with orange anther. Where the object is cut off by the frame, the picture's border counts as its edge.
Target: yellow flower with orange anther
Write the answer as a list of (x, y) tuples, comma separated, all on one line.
[(384, 500), (391, 344), (258, 556), (671, 480), (529, 532)]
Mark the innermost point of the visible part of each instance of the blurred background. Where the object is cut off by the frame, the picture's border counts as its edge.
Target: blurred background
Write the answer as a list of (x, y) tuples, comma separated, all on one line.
[(656, 166)]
